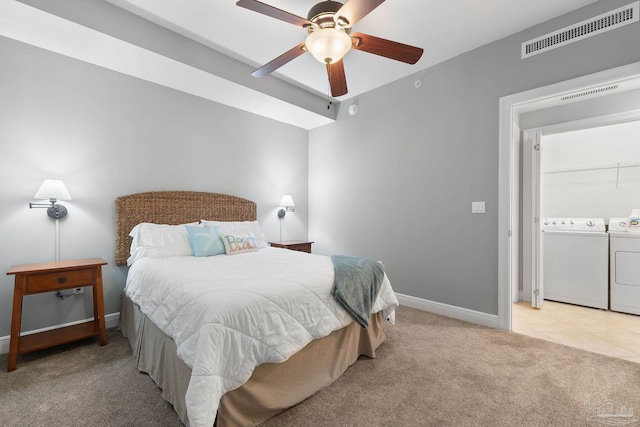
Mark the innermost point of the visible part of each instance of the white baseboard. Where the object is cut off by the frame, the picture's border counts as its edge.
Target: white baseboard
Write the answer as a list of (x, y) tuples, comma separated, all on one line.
[(472, 316), (111, 321)]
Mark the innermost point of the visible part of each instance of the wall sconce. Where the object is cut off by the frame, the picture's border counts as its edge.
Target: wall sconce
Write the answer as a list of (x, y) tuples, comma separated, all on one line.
[(287, 205), (54, 190)]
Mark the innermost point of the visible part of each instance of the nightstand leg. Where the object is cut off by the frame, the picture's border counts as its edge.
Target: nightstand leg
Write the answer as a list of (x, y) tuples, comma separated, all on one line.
[(16, 320), (98, 307)]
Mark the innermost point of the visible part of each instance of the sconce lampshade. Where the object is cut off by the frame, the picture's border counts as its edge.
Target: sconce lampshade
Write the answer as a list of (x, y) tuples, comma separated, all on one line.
[(287, 201), (286, 205), (53, 189)]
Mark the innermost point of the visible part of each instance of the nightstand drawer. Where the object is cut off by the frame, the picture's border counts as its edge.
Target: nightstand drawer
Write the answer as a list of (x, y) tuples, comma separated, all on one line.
[(60, 280)]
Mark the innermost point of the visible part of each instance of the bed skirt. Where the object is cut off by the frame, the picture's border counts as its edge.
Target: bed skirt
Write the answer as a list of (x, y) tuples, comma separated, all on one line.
[(272, 388)]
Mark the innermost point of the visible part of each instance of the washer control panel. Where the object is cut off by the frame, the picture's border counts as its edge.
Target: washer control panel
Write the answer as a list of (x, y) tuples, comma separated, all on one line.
[(573, 224)]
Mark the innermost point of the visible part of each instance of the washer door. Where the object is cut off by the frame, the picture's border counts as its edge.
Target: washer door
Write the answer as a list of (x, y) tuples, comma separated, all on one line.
[(627, 268)]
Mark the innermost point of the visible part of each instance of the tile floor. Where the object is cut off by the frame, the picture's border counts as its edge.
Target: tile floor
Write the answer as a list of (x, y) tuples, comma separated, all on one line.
[(599, 331)]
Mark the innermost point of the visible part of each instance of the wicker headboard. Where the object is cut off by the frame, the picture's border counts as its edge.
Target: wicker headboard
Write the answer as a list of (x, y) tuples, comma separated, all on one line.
[(175, 207)]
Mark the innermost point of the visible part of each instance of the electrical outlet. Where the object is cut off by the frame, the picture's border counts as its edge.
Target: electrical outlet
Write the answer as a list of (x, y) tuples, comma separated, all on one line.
[(79, 291)]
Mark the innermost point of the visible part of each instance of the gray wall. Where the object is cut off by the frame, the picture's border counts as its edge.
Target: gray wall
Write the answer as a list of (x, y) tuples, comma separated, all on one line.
[(395, 182), (106, 135)]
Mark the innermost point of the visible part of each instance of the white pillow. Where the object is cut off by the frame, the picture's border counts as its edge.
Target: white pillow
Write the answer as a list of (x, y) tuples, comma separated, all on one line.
[(239, 227), (159, 241)]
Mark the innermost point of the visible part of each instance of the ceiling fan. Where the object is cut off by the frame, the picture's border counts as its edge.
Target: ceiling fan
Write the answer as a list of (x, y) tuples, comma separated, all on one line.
[(329, 38)]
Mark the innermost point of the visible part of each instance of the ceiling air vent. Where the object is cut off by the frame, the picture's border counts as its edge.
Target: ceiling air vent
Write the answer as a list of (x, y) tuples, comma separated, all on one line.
[(607, 21)]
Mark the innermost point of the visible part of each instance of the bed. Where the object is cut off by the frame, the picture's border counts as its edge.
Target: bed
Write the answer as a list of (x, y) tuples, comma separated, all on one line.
[(251, 379)]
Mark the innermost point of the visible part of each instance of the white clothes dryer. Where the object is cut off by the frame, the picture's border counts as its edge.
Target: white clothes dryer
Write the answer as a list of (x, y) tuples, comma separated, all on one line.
[(624, 259), (575, 256)]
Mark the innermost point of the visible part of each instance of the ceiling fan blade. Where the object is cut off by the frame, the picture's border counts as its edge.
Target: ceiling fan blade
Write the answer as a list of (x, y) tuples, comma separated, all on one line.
[(273, 12), (289, 55), (337, 79), (355, 10), (387, 48)]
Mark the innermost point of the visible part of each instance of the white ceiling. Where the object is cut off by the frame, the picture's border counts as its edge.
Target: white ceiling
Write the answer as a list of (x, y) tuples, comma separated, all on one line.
[(443, 28)]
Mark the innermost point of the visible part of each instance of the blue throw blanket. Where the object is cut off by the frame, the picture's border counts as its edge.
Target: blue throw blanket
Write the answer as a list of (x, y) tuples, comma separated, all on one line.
[(356, 285)]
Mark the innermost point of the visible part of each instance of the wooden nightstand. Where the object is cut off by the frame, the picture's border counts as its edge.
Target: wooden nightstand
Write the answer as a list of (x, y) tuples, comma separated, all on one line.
[(294, 245), (55, 276)]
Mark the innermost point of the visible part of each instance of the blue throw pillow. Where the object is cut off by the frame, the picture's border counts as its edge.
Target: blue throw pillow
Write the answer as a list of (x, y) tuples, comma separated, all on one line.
[(205, 241)]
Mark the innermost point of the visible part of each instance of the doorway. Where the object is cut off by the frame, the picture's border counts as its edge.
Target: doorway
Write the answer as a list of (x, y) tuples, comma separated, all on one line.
[(585, 169), (512, 108)]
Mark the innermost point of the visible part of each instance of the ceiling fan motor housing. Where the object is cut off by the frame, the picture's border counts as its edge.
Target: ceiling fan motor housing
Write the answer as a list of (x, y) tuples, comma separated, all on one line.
[(322, 14)]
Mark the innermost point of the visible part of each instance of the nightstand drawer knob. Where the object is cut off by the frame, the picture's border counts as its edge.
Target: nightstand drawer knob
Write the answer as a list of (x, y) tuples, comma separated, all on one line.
[(62, 280)]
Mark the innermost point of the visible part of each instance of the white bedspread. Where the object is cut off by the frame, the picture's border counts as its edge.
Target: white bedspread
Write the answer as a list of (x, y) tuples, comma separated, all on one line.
[(229, 314)]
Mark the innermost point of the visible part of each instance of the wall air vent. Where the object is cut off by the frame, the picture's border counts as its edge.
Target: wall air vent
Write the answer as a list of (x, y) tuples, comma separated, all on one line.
[(589, 92), (602, 23)]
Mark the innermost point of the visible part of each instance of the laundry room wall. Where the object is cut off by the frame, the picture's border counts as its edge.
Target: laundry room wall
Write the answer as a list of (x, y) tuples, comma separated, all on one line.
[(592, 172)]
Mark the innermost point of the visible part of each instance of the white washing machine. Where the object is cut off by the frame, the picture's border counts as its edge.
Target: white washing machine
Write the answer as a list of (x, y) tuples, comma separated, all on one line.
[(625, 267), (575, 256)]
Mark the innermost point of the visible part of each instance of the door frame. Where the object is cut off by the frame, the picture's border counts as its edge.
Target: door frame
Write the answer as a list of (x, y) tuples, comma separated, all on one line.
[(511, 107)]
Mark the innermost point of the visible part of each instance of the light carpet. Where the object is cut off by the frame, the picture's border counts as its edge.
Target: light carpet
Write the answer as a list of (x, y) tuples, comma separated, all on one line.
[(431, 371)]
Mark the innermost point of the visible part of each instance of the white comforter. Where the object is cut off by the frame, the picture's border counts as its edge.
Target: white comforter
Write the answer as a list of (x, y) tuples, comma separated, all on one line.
[(229, 314)]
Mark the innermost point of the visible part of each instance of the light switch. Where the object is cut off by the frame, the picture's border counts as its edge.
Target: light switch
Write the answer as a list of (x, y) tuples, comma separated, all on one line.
[(477, 207)]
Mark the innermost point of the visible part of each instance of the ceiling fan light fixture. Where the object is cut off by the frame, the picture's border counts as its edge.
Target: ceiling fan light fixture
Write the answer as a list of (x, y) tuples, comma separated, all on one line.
[(328, 45)]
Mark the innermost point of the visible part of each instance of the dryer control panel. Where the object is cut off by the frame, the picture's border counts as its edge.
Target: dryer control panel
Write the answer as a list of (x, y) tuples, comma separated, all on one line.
[(618, 225)]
